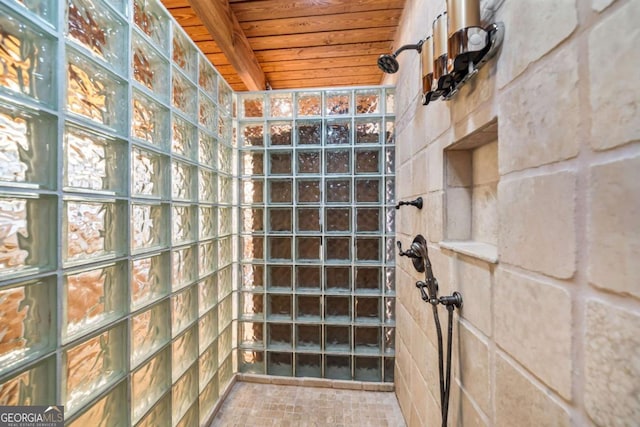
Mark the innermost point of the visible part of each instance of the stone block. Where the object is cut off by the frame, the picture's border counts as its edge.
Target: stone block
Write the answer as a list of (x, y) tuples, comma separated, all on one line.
[(419, 176), (537, 223), (403, 176), (600, 5), (613, 51), (459, 169), (533, 323), (485, 164), (613, 226), (484, 213), (612, 365), (469, 414), (520, 402), (473, 281), (473, 372), (458, 214), (434, 216), (435, 167)]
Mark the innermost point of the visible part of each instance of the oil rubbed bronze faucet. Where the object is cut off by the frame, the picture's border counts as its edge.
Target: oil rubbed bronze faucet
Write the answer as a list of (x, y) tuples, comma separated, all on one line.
[(417, 203)]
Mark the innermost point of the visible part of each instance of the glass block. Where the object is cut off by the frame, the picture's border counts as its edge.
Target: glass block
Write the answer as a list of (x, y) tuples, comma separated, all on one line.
[(280, 220), (252, 219), (224, 320), (367, 339), (368, 249), (390, 280), (148, 173), (225, 373), (252, 362), (28, 316), (45, 9), (183, 223), (207, 222), (149, 279), (152, 19), (368, 161), (225, 158), (150, 69), (308, 337), (368, 279), (27, 242), (159, 416), (337, 338), (368, 131), (308, 310), (281, 105), (207, 258), (183, 141), (337, 309), (279, 277), (184, 309), (92, 230), (338, 132), (390, 190), (225, 344), (368, 190), (251, 106), (207, 113), (389, 340), (149, 383), (280, 248), (183, 94), (207, 330), (390, 220), (368, 369), (309, 104), (252, 163), (206, 149), (95, 93), (184, 350), (190, 418), (309, 191), (183, 177), (308, 248), (390, 250), (150, 122), (280, 133), (149, 331), (337, 279), (337, 102), (390, 134), (368, 101), (280, 163), (252, 135), (225, 252), (206, 186), (308, 278), (309, 365), (338, 249), (279, 335), (183, 393), (225, 95), (368, 220), (337, 367), (27, 147), (389, 310), (251, 334), (35, 386), (252, 248), (308, 162), (338, 190), (252, 276), (390, 160), (225, 221), (184, 53), (92, 298), (390, 94), (28, 58), (225, 195), (183, 266), (280, 364), (207, 294), (106, 411), (280, 191), (100, 32), (149, 226), (207, 77), (91, 366), (338, 219), (252, 305), (208, 365), (389, 364), (338, 162), (367, 309), (308, 219), (309, 132)]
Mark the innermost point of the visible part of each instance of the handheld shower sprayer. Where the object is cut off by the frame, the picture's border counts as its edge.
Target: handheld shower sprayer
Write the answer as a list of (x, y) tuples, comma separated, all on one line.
[(388, 62)]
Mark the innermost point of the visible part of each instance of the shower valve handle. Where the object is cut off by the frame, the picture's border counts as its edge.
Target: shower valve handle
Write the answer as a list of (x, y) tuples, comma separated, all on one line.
[(417, 203), (410, 253)]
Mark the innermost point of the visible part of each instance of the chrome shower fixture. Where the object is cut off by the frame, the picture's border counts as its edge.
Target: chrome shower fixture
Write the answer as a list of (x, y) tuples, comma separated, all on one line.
[(388, 62)]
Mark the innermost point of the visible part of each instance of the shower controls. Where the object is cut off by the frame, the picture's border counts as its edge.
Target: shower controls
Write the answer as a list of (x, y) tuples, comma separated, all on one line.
[(417, 203)]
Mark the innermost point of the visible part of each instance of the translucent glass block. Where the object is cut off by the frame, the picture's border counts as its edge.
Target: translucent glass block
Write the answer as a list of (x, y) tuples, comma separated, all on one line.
[(338, 219), (151, 17), (251, 334), (149, 279), (207, 222), (368, 279), (308, 104), (337, 279), (207, 113), (367, 309), (390, 95), (368, 249), (252, 163), (390, 220), (92, 230), (183, 94), (225, 95), (35, 386), (206, 149), (389, 310), (337, 102), (367, 340), (309, 365), (252, 219), (279, 277), (207, 77), (252, 362), (207, 294), (208, 365), (308, 310), (338, 132), (389, 363), (309, 191), (28, 316), (100, 32), (150, 122), (279, 248), (183, 266), (280, 191), (280, 133), (148, 173), (207, 330), (207, 258), (27, 147), (389, 280), (183, 393), (149, 383), (390, 134), (308, 219), (28, 58), (368, 190), (337, 309), (279, 306), (225, 158), (337, 338), (308, 279), (252, 135), (95, 93), (252, 248), (308, 248), (338, 249), (225, 344), (27, 242), (183, 223), (92, 365), (184, 135), (225, 195), (390, 250), (368, 220), (184, 350), (368, 101), (159, 416), (390, 190), (337, 162), (280, 163), (308, 162), (149, 226), (251, 106), (106, 411), (337, 367), (150, 69), (281, 105), (183, 180), (389, 340), (338, 190), (225, 308), (280, 220), (206, 186), (252, 276), (184, 309), (252, 305), (368, 131), (368, 369), (190, 418), (149, 331), (93, 298), (389, 160), (184, 53), (368, 162), (45, 9), (225, 222), (309, 132), (280, 364)]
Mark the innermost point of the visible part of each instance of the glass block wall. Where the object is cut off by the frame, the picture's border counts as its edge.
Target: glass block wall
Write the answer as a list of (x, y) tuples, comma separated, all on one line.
[(317, 296), (116, 215)]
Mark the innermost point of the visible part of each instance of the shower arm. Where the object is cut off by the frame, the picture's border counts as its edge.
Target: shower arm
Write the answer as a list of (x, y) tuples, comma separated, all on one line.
[(417, 46)]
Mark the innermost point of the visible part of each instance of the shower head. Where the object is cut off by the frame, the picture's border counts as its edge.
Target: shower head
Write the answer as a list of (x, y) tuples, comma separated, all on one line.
[(388, 62)]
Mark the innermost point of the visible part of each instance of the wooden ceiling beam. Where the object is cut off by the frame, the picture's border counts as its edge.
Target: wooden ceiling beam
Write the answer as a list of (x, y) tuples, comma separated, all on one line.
[(220, 21), (329, 38)]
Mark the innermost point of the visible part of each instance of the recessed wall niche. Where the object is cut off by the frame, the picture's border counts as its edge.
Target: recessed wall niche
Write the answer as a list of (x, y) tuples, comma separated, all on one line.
[(471, 209)]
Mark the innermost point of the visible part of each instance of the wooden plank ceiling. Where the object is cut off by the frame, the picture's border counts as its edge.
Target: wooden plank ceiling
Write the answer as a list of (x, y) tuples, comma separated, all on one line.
[(297, 43)]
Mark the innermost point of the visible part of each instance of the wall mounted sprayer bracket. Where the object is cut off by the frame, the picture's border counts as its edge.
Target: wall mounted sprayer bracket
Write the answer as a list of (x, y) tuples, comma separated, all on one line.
[(417, 203)]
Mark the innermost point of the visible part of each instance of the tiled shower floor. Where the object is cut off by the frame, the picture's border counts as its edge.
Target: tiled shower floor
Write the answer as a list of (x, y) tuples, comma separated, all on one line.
[(251, 404)]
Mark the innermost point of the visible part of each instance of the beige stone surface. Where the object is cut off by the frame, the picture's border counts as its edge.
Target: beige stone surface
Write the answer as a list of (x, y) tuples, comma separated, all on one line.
[(615, 104), (458, 213), (601, 5), (459, 169), (435, 167), (537, 223), (613, 226), (473, 372), (612, 365), (484, 213), (533, 323), (522, 403), (485, 164), (434, 216), (419, 177), (473, 281)]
